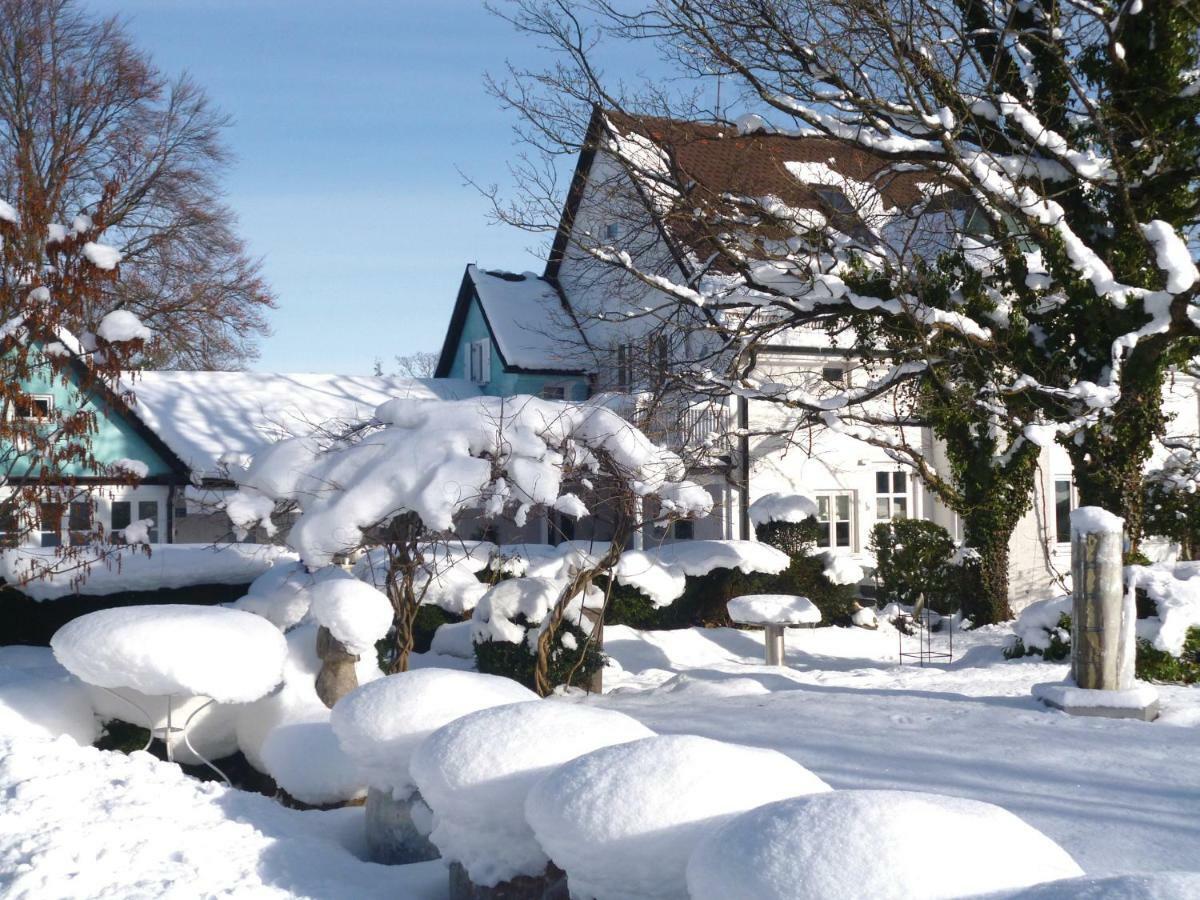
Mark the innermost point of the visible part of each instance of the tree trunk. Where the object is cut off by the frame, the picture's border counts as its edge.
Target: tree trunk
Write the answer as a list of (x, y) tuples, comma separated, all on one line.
[(984, 598)]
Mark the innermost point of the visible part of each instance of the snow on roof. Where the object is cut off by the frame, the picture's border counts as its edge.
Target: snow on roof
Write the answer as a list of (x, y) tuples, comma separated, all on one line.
[(203, 415), (528, 320)]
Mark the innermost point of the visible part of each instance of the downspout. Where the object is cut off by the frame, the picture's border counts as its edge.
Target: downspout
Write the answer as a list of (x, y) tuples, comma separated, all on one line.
[(170, 513), (743, 417)]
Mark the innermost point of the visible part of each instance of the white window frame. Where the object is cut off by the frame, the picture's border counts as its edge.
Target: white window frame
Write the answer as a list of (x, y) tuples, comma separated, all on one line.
[(49, 398), (479, 361), (1072, 504), (829, 499), (890, 496)]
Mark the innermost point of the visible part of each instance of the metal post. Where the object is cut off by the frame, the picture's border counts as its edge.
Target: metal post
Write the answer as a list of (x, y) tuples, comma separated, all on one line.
[(1102, 617), (775, 648), (168, 735)]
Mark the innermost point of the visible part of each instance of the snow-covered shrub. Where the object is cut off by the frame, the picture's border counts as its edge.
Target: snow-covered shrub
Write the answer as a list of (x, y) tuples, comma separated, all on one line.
[(808, 573), (1042, 629), (846, 845), (476, 772), (622, 821), (574, 659), (914, 557)]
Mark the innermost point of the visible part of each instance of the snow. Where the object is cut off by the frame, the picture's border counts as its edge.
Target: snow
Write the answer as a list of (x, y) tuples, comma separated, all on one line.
[(851, 844), (1094, 520), (1172, 256), (781, 507), (841, 569), (773, 609), (454, 639), (527, 318), (1175, 591), (138, 532), (134, 467), (203, 415), (1143, 886), (476, 772), (211, 730), (622, 821), (660, 573), (122, 325), (39, 698), (494, 618), (380, 724), (7, 212), (1066, 694), (280, 594), (231, 656), (354, 612), (1038, 622), (305, 759), (168, 566), (81, 822)]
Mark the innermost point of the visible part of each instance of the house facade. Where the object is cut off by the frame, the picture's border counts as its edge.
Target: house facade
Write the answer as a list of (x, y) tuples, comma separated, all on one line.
[(604, 332)]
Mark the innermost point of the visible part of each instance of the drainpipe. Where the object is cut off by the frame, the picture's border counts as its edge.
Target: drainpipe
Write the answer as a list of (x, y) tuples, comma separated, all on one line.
[(743, 417), (170, 517)]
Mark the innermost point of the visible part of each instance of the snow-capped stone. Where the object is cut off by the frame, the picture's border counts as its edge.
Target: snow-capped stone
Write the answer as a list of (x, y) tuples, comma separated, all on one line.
[(852, 844), (355, 613), (622, 821), (379, 725), (476, 772)]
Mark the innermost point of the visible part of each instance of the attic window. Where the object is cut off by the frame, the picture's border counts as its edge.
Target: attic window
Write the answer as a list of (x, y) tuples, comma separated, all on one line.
[(35, 407), (612, 231)]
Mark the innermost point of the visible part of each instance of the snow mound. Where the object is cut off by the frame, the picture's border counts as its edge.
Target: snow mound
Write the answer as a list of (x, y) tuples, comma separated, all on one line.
[(225, 654), (306, 760), (773, 609), (380, 724), (45, 703), (622, 821), (453, 639), (661, 573), (296, 701), (279, 595), (842, 569), (476, 772), (1134, 886), (781, 507), (1038, 622), (354, 612), (854, 844)]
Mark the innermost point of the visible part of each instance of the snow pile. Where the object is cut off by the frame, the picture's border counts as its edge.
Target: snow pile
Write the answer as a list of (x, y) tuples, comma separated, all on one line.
[(533, 598), (1038, 623), (122, 325), (355, 613), (305, 759), (168, 566), (1177, 600), (476, 772), (1137, 886), (39, 698), (851, 844), (437, 459), (280, 595), (661, 573), (622, 821), (454, 639), (781, 507), (225, 654), (82, 822), (380, 724), (841, 569), (773, 609), (1095, 520)]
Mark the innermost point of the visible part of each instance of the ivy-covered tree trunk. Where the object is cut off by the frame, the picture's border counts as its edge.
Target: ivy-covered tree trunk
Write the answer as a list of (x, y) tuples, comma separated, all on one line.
[(985, 583)]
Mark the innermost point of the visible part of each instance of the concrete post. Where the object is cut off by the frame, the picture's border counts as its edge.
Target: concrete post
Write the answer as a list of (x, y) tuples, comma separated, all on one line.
[(775, 646), (398, 830), (1102, 617)]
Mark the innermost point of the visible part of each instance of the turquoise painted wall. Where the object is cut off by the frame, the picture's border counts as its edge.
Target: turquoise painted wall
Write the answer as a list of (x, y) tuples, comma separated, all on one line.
[(114, 438), (503, 383)]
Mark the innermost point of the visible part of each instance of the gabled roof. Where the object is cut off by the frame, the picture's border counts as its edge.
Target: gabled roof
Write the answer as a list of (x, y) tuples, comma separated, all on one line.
[(201, 416), (532, 327)]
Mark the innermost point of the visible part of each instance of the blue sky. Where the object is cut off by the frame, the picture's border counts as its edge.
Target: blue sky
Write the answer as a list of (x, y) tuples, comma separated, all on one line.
[(352, 119)]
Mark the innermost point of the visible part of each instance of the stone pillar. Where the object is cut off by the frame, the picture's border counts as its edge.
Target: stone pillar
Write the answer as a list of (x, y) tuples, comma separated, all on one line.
[(398, 830), (1102, 617), (337, 677)]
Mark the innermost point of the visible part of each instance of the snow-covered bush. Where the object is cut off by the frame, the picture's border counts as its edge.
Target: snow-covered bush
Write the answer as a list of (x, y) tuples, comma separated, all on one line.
[(847, 845), (1042, 629), (808, 573), (622, 821), (476, 772)]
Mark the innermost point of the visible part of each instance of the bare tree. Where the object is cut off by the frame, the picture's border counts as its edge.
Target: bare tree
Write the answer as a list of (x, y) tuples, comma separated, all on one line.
[(83, 110)]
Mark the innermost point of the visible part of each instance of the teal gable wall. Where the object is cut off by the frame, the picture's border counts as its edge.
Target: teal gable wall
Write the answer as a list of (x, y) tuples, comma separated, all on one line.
[(114, 439), (504, 383)]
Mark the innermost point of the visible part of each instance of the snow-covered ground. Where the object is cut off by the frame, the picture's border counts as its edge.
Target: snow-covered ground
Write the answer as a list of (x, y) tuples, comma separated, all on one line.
[(1119, 796)]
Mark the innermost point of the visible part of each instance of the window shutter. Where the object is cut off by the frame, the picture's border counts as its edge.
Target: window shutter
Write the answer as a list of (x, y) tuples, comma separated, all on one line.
[(485, 362)]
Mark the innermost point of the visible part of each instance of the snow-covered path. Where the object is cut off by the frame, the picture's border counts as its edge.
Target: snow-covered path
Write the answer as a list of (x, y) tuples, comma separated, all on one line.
[(1118, 795)]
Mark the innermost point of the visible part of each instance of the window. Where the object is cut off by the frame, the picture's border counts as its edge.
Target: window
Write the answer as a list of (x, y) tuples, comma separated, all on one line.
[(1063, 504), (480, 361), (148, 509), (685, 530), (624, 366), (660, 359), (10, 526), (834, 374), (35, 407), (50, 524), (612, 231), (835, 520), (891, 495), (120, 516), (79, 522), (554, 392)]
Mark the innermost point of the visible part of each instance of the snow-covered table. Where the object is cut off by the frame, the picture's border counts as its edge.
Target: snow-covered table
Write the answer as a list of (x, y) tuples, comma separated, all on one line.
[(774, 612), (171, 651)]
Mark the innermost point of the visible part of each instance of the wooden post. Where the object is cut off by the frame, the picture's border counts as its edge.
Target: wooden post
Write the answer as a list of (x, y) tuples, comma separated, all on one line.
[(1102, 617)]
